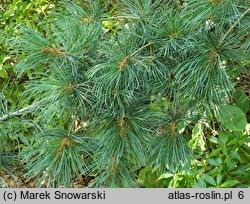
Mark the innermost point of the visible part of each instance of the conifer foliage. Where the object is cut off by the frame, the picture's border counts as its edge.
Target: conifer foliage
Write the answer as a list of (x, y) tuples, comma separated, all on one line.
[(113, 86)]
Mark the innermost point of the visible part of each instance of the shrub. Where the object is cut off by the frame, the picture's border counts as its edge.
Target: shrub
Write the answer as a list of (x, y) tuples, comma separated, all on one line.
[(116, 89)]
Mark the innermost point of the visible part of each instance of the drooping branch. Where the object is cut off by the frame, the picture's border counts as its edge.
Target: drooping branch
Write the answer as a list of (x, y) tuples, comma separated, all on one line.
[(18, 112)]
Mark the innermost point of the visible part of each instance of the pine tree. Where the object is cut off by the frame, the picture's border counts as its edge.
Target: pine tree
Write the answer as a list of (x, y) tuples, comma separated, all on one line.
[(113, 85)]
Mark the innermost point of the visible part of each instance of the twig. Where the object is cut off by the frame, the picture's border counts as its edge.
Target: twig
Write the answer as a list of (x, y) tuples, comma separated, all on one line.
[(2, 8), (125, 60), (138, 61), (140, 49), (18, 113)]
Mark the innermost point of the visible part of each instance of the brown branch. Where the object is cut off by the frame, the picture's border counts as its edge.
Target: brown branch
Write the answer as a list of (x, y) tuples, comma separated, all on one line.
[(122, 128), (127, 58), (54, 51), (65, 142), (123, 62)]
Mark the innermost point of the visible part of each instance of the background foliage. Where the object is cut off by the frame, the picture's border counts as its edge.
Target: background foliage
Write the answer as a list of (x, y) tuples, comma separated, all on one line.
[(125, 93)]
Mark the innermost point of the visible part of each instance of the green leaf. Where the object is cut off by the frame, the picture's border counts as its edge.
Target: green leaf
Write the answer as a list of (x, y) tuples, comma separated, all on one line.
[(232, 118), (235, 154), (244, 152), (209, 179), (222, 138), (215, 152), (213, 140), (3, 73), (200, 184), (5, 59), (218, 179), (242, 171), (225, 150), (215, 162), (181, 127), (229, 183), (242, 101), (231, 164), (197, 141), (166, 175)]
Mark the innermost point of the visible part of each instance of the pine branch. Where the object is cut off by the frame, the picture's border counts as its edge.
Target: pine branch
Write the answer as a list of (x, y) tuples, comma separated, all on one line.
[(18, 113)]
